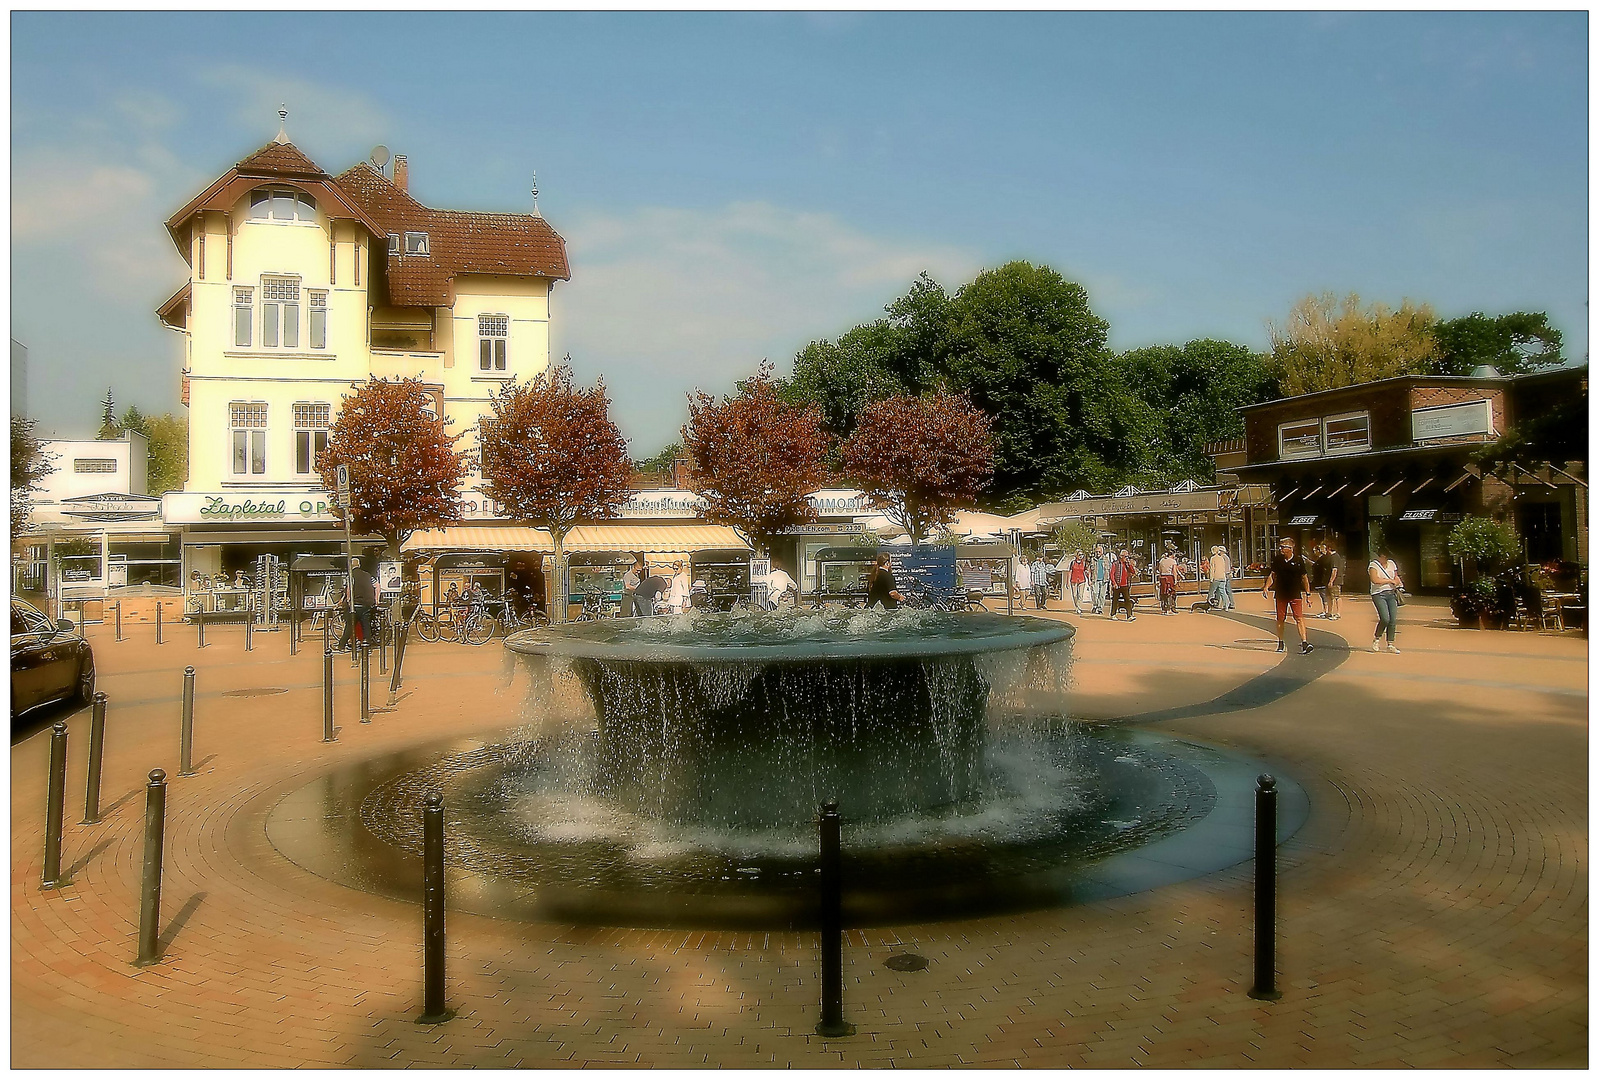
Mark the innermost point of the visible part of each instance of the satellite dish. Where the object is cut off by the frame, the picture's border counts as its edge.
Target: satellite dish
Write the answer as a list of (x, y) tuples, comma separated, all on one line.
[(380, 155)]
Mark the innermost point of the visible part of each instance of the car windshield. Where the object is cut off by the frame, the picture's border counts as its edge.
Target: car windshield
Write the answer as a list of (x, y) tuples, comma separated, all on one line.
[(25, 620)]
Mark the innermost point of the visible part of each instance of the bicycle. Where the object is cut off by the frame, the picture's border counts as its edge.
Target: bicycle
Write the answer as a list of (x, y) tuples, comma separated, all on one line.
[(596, 607), (510, 622)]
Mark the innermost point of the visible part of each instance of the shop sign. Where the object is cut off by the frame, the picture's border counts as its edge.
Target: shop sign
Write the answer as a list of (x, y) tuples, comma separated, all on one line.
[(112, 506), (1303, 519), (196, 508), (836, 501), (824, 530), (669, 502), (1443, 421)]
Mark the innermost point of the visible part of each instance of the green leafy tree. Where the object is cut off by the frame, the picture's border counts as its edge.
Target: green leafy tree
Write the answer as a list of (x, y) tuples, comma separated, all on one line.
[(1195, 391), (29, 464), (1515, 344), (1326, 343), (1488, 543), (169, 452), (1074, 535)]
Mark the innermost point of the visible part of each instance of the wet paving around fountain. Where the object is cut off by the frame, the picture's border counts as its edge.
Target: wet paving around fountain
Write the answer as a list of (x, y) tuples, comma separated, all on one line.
[(1071, 812)]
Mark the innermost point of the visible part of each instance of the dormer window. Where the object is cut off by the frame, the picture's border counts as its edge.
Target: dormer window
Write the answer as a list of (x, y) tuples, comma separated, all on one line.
[(416, 243), (394, 243), (275, 204)]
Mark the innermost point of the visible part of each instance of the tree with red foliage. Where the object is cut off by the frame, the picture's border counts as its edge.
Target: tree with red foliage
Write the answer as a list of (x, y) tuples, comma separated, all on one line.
[(919, 459), (405, 472), (755, 458), (552, 457)]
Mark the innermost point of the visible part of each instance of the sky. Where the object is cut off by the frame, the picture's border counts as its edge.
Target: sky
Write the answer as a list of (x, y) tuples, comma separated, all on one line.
[(733, 186)]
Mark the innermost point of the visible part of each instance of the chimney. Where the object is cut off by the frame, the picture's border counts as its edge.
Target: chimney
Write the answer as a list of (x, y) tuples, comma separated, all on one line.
[(402, 172)]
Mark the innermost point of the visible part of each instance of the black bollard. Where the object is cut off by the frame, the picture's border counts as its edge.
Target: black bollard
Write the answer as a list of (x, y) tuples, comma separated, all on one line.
[(366, 682), (199, 621), (326, 637), (1265, 988), (383, 654), (433, 1010), (55, 805), (328, 733), (186, 743), (91, 796), (158, 622), (249, 621), (294, 632), (119, 619), (401, 633), (832, 1025), (155, 815)]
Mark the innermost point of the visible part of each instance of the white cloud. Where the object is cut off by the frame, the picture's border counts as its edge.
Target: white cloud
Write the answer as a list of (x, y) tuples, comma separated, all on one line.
[(664, 300), (323, 117)]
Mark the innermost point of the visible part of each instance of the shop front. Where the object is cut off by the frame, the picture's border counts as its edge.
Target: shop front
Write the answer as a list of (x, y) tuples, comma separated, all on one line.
[(1193, 519)]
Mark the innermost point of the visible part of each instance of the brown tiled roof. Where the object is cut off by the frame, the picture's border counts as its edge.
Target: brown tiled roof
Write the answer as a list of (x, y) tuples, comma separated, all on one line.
[(279, 159), (274, 160), (459, 242)]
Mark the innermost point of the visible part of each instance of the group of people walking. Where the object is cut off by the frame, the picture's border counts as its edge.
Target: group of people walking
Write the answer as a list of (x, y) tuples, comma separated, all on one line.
[(1102, 580), (1292, 576)]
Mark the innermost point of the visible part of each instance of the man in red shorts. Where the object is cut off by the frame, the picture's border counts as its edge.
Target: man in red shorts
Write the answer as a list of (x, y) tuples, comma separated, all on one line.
[(1289, 578)]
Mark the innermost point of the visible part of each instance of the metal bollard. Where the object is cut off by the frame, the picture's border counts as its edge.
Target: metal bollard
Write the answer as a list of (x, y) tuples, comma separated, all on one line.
[(366, 683), (199, 621), (328, 734), (383, 655), (832, 1025), (1265, 988), (433, 1009), (91, 795), (158, 622), (118, 608), (155, 815), (249, 622), (326, 637), (401, 633), (186, 744), (55, 805), (294, 633)]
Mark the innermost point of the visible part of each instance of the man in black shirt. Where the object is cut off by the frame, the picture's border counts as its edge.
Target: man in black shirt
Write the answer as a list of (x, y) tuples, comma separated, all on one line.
[(1289, 577), (363, 599)]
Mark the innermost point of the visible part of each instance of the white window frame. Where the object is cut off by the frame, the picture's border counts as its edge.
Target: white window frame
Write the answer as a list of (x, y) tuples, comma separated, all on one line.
[(497, 360), (394, 243), (94, 465), (419, 240), (302, 203), (309, 428), (243, 305), (276, 312), (254, 438), (1282, 448), (1332, 451), (316, 318)]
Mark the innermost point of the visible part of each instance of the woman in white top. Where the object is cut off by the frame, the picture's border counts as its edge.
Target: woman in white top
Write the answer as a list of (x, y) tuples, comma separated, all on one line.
[(1385, 586), (677, 597)]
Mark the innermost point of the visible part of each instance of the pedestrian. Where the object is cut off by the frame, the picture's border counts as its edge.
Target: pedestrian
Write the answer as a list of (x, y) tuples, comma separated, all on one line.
[(1385, 587), (1221, 586), (1040, 572), (363, 597), (1123, 572), (1289, 578), (880, 586), (1166, 581), (636, 573), (1077, 576), (681, 586), (1100, 578), (1332, 579), (1315, 555), (649, 592), (1023, 581)]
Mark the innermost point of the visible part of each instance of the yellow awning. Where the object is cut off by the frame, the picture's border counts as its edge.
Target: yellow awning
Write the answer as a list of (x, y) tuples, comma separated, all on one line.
[(673, 539), (480, 538), (654, 539)]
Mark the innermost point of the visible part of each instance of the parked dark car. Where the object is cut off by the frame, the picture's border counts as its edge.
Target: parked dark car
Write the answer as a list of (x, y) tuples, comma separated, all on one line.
[(49, 661)]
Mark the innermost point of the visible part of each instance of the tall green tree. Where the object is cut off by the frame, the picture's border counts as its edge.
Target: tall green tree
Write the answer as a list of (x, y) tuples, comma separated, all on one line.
[(1195, 391), (109, 428), (29, 465), (169, 452), (1515, 344)]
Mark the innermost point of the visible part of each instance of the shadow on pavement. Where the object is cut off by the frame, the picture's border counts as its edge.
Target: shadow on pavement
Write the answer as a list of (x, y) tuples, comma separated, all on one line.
[(1293, 672)]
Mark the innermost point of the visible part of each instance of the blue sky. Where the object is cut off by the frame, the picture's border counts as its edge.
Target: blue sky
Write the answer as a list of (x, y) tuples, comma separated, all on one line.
[(732, 186)]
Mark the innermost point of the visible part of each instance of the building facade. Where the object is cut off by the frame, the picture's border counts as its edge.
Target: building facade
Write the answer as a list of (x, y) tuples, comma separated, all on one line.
[(1399, 461), (303, 283)]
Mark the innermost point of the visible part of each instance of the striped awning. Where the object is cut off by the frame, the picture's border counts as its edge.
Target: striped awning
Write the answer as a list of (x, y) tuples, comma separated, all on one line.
[(672, 539)]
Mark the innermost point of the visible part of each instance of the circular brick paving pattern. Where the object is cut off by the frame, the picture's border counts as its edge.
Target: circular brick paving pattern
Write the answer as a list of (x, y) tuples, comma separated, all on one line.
[(1433, 909)]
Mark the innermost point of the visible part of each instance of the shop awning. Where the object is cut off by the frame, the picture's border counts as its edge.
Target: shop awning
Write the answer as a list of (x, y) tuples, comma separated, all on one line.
[(653, 538), (480, 538)]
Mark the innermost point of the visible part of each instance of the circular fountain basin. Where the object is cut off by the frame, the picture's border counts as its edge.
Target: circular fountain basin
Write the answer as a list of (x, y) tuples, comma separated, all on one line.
[(669, 772)]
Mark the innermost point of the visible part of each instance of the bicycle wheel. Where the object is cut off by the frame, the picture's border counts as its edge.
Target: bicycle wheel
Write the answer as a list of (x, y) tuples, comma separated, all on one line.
[(477, 629), (426, 626), (336, 626)]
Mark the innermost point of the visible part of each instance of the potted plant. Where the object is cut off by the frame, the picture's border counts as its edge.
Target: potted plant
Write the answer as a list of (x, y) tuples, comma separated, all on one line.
[(1477, 605), (1489, 544)]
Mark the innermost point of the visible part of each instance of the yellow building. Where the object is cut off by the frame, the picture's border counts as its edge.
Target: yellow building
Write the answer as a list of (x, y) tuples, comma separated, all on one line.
[(301, 284)]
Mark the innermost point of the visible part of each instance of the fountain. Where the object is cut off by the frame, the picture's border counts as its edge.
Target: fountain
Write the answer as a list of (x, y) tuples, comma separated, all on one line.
[(669, 772)]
